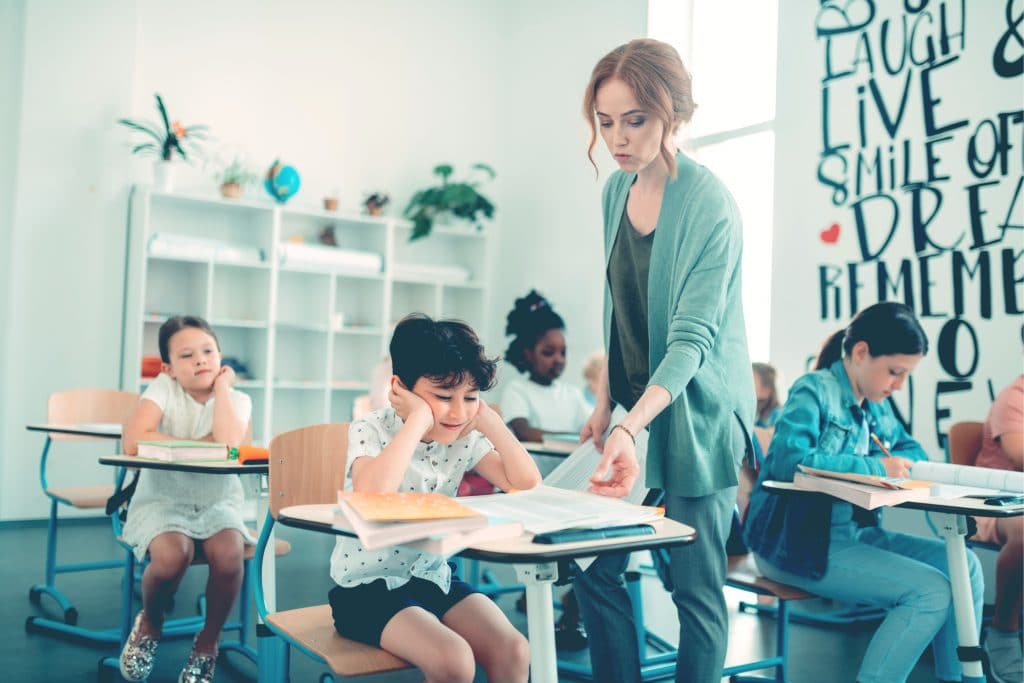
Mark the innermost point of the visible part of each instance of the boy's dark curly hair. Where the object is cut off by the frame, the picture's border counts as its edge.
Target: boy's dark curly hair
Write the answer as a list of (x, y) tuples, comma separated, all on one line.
[(528, 321), (444, 351)]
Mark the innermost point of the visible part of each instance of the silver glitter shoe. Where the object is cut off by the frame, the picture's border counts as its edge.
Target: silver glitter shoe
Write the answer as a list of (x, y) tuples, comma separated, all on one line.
[(198, 667), (138, 654)]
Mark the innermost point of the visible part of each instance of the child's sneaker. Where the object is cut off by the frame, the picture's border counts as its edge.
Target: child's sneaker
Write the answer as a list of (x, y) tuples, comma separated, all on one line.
[(138, 653), (1004, 656), (198, 667)]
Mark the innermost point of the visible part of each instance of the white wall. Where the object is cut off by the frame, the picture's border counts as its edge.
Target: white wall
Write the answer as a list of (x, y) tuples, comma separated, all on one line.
[(357, 95), (11, 19), (62, 323), (550, 212), (969, 90)]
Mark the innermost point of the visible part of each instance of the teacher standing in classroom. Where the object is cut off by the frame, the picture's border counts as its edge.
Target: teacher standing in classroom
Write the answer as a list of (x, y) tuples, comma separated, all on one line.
[(677, 354)]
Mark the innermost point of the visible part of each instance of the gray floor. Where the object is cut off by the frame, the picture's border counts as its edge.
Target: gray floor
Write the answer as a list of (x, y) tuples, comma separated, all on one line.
[(817, 654)]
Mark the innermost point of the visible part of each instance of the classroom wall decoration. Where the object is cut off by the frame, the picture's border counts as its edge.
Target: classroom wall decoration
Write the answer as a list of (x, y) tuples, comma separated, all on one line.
[(900, 146)]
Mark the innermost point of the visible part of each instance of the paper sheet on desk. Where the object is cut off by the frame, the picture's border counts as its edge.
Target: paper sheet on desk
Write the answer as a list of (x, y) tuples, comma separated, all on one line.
[(959, 481), (546, 508), (575, 471)]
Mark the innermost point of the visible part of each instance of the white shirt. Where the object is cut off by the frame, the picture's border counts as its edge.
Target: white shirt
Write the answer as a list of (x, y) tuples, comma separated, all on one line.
[(558, 407), (434, 467), (198, 505)]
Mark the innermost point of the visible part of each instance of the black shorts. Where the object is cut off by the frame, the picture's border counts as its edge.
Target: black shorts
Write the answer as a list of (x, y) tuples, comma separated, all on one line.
[(361, 612)]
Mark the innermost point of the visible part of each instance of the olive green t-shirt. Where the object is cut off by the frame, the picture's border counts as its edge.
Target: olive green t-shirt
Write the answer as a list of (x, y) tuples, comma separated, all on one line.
[(628, 352)]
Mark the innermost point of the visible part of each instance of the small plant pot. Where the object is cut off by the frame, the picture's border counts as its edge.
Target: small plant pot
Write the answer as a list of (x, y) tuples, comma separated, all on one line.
[(163, 175), (330, 203), (231, 190)]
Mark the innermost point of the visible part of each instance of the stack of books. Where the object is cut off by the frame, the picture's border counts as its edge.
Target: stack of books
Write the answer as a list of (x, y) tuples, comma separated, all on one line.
[(863, 490), (429, 521)]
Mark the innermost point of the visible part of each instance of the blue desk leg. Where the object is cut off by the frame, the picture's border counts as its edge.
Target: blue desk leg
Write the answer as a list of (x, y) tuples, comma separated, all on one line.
[(540, 619), (953, 528)]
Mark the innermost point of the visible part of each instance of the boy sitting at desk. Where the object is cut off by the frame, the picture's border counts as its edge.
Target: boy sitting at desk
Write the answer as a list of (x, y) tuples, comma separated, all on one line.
[(406, 601)]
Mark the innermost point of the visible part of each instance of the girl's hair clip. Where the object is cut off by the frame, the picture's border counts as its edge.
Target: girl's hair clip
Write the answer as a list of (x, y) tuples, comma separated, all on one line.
[(538, 305)]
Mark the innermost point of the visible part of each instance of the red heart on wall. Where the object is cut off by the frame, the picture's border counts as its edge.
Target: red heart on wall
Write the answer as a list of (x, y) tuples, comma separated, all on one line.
[(830, 235)]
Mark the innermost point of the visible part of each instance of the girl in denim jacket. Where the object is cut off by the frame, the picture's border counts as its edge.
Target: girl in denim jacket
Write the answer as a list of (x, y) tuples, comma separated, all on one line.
[(832, 549)]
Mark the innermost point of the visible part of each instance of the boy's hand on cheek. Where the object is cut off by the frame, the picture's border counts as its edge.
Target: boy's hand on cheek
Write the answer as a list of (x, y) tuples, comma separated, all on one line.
[(484, 420), (408, 405)]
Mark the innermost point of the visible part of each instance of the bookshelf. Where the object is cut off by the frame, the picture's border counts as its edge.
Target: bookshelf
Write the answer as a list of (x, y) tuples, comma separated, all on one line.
[(309, 333)]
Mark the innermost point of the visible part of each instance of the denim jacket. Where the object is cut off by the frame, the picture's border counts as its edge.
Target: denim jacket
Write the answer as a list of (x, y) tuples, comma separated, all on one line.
[(819, 427)]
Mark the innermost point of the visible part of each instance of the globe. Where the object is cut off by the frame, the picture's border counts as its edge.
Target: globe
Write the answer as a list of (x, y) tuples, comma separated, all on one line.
[(282, 181)]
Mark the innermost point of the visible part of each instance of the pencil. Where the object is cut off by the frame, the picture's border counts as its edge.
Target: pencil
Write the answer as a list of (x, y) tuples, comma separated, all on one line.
[(874, 437)]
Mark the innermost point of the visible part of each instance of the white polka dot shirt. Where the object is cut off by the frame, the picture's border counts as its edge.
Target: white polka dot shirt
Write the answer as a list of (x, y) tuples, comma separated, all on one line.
[(434, 468)]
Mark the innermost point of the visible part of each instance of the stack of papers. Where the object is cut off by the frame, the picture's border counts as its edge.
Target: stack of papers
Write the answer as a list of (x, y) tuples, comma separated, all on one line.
[(332, 259)]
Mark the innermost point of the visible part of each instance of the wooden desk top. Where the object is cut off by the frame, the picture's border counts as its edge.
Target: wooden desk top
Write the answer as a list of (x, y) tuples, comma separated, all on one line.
[(975, 507), (511, 550)]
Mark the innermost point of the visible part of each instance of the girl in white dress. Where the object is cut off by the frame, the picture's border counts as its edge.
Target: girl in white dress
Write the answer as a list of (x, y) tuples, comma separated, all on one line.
[(174, 515)]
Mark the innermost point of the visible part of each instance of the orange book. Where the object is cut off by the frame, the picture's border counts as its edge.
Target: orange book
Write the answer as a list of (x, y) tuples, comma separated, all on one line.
[(405, 507), (386, 519)]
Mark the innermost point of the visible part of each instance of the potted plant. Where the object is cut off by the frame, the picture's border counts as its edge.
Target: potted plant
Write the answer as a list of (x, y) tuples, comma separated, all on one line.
[(166, 139), (375, 203), (234, 177), (459, 199)]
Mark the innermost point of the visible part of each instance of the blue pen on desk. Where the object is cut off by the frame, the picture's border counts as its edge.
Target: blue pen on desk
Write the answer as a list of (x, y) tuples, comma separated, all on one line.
[(577, 535)]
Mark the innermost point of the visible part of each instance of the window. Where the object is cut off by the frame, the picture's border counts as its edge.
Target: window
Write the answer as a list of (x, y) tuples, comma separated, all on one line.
[(729, 48)]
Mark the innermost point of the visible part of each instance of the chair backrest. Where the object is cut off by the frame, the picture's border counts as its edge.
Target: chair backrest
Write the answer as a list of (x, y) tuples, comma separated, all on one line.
[(79, 406), (307, 465), (964, 442)]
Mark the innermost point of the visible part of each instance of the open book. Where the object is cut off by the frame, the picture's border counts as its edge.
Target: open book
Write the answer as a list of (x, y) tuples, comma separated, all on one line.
[(866, 495), (958, 481), (546, 508), (575, 471), (891, 483)]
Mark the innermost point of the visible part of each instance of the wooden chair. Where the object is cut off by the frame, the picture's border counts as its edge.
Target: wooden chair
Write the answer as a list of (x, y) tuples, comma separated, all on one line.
[(307, 466), (77, 406), (964, 442), (743, 574)]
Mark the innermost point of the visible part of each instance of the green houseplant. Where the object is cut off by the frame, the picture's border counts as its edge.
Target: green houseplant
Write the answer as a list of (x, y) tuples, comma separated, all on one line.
[(459, 198), (234, 177), (164, 140)]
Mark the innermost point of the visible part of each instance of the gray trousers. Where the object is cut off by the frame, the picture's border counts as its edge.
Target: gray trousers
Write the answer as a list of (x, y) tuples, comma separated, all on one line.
[(698, 574)]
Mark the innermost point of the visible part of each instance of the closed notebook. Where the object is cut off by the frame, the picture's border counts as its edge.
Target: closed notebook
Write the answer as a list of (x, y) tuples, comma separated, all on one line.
[(867, 496), (182, 451), (396, 518)]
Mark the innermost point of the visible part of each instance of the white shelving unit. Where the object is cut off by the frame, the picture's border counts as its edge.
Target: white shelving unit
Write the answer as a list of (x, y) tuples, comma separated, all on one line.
[(310, 337)]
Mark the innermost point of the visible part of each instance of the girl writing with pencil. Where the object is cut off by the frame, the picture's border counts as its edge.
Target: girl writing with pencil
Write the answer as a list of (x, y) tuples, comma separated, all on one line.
[(837, 418)]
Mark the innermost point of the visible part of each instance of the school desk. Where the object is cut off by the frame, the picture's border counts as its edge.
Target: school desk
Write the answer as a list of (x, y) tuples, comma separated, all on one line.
[(191, 625), (93, 497), (950, 518), (536, 566)]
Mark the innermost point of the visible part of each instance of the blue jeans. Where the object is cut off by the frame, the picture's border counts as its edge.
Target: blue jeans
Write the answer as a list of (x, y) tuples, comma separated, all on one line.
[(698, 574), (908, 576)]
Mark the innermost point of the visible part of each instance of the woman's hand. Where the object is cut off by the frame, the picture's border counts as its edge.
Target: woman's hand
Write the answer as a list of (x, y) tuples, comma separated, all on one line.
[(595, 426), (225, 378), (408, 404), (620, 458), (896, 467)]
